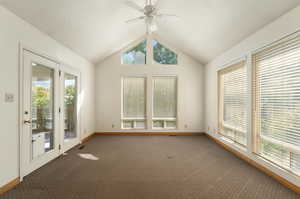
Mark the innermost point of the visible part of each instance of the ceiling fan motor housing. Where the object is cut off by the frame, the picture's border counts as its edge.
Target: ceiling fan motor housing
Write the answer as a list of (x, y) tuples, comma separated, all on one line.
[(149, 10)]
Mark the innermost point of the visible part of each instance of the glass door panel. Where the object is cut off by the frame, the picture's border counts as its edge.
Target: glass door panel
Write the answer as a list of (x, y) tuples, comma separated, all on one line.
[(42, 105), (39, 107), (70, 107)]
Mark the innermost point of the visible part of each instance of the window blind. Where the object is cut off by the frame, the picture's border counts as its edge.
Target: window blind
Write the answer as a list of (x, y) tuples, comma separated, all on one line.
[(134, 97), (164, 97), (276, 116), (232, 102)]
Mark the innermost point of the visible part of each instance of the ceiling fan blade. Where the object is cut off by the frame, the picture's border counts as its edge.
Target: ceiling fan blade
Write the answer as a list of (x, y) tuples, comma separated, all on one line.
[(167, 15), (151, 2), (134, 6), (135, 19), (156, 3)]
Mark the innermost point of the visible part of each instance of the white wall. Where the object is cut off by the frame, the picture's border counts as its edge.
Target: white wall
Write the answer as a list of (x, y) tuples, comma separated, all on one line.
[(190, 91), (283, 26), (13, 31)]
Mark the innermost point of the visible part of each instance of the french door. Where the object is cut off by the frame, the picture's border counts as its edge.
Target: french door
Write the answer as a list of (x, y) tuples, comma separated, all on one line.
[(70, 114), (49, 111)]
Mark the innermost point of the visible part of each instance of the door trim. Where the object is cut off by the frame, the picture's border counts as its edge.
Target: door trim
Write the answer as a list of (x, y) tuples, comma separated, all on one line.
[(27, 164), (65, 146), (62, 65)]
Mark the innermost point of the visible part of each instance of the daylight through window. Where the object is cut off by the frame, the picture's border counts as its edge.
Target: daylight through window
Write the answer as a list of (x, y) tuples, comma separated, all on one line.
[(232, 103), (134, 103), (164, 102), (277, 104), (163, 55), (136, 55)]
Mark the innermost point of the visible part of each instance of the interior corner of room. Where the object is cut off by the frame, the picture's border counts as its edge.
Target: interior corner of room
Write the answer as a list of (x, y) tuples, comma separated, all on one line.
[(66, 83)]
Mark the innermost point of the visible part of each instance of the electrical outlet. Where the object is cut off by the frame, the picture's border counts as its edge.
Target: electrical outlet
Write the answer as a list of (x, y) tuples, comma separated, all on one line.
[(112, 126), (9, 97), (186, 126)]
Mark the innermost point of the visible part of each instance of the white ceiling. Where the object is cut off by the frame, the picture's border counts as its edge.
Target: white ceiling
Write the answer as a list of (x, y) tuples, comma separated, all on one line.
[(95, 28)]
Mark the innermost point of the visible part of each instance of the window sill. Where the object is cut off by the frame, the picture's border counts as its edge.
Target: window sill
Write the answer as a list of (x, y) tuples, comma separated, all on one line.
[(232, 143), (133, 128), (160, 128), (268, 163)]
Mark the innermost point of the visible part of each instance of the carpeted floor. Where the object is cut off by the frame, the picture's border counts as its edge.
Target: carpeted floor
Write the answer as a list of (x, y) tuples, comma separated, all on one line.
[(149, 167)]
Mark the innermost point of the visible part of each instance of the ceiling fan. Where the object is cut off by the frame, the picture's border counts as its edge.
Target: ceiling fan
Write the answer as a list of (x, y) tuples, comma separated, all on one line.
[(150, 14)]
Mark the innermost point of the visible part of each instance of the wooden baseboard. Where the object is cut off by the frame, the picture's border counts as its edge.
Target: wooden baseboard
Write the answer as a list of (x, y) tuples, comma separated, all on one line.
[(280, 179), (87, 138), (148, 133), (9, 186), (267, 171)]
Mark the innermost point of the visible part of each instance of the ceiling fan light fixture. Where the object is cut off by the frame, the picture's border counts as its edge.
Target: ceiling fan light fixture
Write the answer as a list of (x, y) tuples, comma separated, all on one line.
[(151, 13)]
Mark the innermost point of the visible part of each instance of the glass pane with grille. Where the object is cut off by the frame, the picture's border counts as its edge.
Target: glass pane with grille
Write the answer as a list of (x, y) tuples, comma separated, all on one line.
[(171, 124), (128, 124), (158, 124)]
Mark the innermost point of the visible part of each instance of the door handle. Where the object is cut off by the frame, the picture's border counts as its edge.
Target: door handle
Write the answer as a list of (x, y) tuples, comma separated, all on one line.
[(27, 122)]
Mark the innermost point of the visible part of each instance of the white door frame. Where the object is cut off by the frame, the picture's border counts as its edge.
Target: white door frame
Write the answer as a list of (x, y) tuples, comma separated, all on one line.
[(28, 164), (65, 68), (65, 146)]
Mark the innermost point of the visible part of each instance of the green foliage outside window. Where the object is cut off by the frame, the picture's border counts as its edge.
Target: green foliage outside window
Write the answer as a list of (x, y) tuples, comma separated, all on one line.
[(70, 107), (41, 99), (163, 55), (137, 55)]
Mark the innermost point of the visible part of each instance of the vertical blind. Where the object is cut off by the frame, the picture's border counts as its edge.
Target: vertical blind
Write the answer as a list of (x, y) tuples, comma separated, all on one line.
[(232, 102), (164, 97), (134, 97), (277, 103)]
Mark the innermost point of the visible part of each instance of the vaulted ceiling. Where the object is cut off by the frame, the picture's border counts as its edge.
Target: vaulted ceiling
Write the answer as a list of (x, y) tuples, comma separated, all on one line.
[(96, 28)]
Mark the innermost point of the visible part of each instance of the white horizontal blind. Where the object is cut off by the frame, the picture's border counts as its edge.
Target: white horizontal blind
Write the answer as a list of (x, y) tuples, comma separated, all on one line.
[(232, 102), (277, 103), (164, 97), (134, 97)]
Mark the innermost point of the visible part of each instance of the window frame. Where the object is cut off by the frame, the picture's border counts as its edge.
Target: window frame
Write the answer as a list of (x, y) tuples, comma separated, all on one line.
[(249, 151), (134, 120), (149, 52), (239, 63), (255, 108), (132, 46), (165, 119)]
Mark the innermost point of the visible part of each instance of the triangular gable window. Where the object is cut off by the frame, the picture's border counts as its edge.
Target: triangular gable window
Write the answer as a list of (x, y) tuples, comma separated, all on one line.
[(163, 55), (136, 55)]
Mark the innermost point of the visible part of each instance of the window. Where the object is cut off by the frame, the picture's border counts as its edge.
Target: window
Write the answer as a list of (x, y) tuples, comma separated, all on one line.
[(163, 55), (134, 103), (136, 55), (277, 104), (70, 101), (160, 55), (164, 102), (232, 103)]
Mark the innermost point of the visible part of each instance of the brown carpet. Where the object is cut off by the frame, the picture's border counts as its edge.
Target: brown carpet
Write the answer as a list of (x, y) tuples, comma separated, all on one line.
[(149, 167)]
